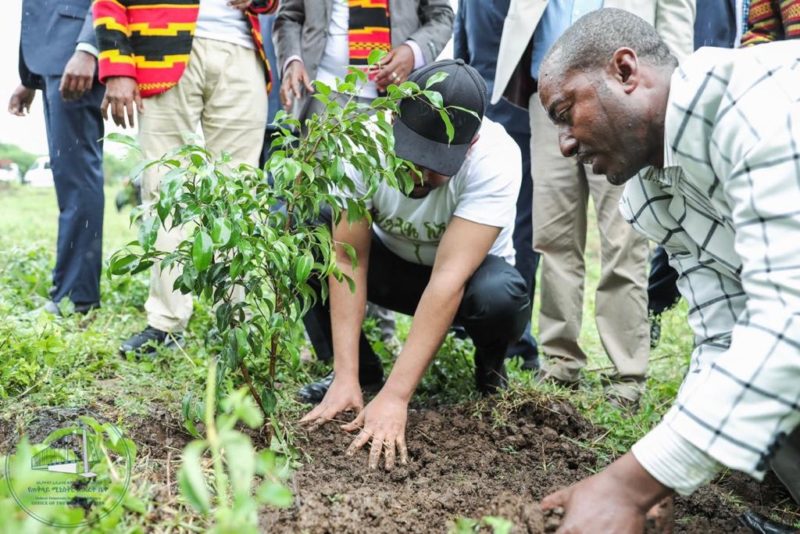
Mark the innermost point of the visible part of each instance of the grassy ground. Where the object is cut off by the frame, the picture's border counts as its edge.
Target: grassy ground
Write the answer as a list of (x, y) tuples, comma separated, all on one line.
[(73, 361)]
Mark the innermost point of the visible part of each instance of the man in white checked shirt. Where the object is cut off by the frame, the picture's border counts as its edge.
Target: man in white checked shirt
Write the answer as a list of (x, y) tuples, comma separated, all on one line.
[(710, 152)]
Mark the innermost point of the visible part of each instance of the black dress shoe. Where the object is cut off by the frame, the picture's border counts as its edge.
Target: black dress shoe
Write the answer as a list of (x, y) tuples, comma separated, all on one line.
[(314, 392), (148, 340), (761, 525)]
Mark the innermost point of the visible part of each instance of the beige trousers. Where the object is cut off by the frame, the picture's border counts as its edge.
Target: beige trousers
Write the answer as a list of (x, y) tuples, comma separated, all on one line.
[(561, 191), (223, 90)]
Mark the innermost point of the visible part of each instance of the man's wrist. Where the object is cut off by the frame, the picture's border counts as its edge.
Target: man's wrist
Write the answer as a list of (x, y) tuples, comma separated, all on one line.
[(87, 48), (396, 389), (644, 490)]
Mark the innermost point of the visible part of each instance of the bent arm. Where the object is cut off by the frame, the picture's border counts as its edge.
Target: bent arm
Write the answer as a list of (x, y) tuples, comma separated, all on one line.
[(287, 31), (463, 248), (347, 307)]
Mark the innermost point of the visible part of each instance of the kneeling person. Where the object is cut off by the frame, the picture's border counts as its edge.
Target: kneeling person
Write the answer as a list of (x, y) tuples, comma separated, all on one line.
[(443, 254)]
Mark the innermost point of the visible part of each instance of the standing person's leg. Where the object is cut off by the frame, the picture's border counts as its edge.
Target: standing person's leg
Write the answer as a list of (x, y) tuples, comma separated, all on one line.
[(167, 119), (621, 301), (74, 130), (559, 233), (235, 92), (527, 259)]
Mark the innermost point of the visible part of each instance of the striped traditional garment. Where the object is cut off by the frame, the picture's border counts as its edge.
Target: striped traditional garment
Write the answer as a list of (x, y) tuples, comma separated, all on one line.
[(369, 29), (150, 40), (772, 20)]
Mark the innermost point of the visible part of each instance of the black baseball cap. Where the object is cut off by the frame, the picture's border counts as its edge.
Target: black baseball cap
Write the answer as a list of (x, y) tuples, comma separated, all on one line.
[(420, 135)]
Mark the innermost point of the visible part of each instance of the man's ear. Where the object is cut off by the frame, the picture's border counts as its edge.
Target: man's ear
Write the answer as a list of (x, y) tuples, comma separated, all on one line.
[(624, 68)]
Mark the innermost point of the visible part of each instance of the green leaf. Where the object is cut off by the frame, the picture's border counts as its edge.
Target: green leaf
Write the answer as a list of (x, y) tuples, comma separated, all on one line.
[(148, 232), (375, 56), (447, 124), (190, 478), (268, 400), (123, 139), (202, 251), (241, 461), (275, 494), (123, 264), (302, 267), (221, 232), (436, 78), (435, 98), (500, 525)]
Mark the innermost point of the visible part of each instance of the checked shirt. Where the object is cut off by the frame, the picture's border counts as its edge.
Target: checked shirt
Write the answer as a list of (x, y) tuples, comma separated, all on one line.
[(726, 206)]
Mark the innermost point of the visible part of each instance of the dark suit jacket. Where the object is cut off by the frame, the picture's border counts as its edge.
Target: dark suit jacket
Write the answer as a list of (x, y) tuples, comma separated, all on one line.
[(50, 31), (476, 39), (715, 24)]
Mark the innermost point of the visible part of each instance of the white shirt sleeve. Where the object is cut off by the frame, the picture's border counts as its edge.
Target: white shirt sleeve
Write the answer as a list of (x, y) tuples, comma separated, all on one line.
[(491, 185)]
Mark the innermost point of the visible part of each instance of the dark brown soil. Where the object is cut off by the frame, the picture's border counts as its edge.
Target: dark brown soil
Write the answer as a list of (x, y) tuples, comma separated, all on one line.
[(463, 465)]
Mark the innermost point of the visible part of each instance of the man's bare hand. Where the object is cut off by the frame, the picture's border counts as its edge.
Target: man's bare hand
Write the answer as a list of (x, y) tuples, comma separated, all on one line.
[(241, 5), (78, 75), (383, 421), (614, 500), (21, 99), (343, 395), (122, 94), (294, 79), (395, 67)]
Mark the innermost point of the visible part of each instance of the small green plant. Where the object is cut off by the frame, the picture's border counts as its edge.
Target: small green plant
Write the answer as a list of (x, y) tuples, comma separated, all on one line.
[(467, 525), (242, 478), (257, 231)]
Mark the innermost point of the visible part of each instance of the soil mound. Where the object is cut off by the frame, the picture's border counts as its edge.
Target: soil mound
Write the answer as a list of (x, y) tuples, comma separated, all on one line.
[(464, 463)]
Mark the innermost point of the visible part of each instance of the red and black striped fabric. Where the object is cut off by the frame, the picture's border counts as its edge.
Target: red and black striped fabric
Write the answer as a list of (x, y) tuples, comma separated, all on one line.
[(150, 40), (772, 20), (369, 29)]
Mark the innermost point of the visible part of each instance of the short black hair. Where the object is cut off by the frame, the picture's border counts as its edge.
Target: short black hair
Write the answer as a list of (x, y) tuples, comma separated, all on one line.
[(590, 43)]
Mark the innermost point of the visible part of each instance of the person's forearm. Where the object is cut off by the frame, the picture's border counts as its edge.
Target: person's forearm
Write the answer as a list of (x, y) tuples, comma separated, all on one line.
[(434, 315), (347, 314), (642, 488)]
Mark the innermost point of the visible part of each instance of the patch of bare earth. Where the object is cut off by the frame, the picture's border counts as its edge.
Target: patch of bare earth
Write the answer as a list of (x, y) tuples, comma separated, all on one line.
[(463, 465)]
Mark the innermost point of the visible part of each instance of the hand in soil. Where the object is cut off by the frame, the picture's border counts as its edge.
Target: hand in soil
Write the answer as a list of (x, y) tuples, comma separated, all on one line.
[(614, 500), (342, 396), (383, 421)]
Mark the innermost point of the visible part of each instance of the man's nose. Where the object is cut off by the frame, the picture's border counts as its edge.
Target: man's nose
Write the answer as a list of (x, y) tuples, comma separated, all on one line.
[(567, 143)]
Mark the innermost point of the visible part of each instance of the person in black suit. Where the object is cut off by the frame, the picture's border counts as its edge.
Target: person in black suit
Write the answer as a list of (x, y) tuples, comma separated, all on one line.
[(57, 55)]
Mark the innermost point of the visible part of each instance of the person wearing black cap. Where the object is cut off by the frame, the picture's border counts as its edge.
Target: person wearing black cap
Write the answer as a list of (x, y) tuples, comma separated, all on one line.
[(444, 253)]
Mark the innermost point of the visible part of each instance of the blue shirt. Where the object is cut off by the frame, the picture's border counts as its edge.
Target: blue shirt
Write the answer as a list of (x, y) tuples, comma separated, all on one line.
[(557, 17)]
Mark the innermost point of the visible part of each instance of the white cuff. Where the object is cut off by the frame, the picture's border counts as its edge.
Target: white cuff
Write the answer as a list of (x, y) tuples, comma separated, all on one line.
[(88, 48), (419, 59), (288, 61), (673, 461)]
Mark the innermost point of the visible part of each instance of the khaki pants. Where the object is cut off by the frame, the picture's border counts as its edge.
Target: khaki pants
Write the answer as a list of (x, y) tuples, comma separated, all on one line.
[(561, 190), (223, 90)]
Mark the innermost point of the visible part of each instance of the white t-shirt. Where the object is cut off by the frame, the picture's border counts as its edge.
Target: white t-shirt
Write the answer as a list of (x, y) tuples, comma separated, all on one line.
[(220, 22), (484, 191)]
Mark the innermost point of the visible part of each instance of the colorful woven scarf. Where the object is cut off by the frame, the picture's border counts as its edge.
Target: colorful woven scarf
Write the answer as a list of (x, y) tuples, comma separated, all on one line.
[(369, 29)]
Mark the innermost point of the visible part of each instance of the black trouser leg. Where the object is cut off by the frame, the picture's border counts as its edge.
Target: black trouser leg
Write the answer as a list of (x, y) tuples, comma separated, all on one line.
[(662, 288), (494, 309)]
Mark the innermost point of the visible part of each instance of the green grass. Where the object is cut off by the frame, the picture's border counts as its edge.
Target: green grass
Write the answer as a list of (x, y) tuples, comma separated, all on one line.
[(73, 361)]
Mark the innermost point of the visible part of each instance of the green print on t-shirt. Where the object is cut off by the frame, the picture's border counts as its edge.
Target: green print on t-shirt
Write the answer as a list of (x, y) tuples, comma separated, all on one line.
[(433, 231)]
